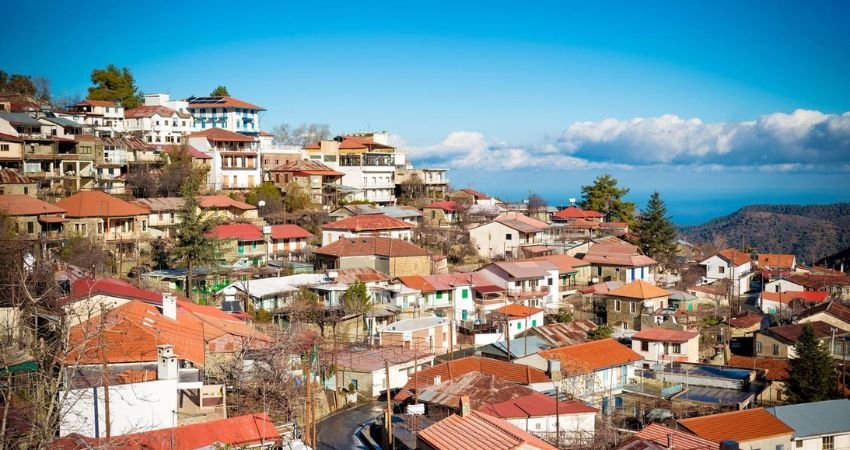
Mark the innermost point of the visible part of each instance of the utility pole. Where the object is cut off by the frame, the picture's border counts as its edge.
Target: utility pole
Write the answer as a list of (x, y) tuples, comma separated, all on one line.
[(105, 375), (389, 422), (308, 405), (558, 414)]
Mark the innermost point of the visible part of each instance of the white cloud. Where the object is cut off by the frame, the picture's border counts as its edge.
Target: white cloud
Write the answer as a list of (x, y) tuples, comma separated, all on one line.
[(802, 140)]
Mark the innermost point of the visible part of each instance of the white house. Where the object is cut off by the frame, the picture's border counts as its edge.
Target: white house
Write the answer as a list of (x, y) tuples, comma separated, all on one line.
[(529, 282), (365, 369), (817, 425), (730, 264), (102, 118), (662, 345), (783, 285), (519, 317), (226, 113), (372, 225), (539, 414), (507, 234), (157, 123), (432, 334), (235, 161)]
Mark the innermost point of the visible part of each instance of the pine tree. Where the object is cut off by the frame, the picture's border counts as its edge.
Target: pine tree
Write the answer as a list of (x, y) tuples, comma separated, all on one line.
[(114, 84), (220, 91), (656, 231), (811, 375), (193, 245), (604, 196)]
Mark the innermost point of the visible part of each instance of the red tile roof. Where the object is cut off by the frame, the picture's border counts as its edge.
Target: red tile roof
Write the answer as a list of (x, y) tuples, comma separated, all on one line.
[(788, 296), (290, 231), (664, 335), (149, 111), (239, 231), (240, 432), (112, 287), (350, 144), (735, 256), (574, 212), (775, 369), (221, 135), (98, 204), (307, 168), (746, 319), (476, 194), (658, 434), (192, 151), (96, 103), (590, 356), (518, 311), (223, 101), (534, 405), (417, 282), (775, 260), (640, 290), (26, 205), (741, 426), (791, 333), (10, 137), (223, 201), (834, 308), (818, 282), (367, 222), (564, 263), (313, 146), (478, 430), (516, 373), (617, 255), (365, 246), (448, 206)]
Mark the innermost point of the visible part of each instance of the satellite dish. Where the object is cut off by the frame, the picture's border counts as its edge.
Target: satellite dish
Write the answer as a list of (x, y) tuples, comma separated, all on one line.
[(261, 203)]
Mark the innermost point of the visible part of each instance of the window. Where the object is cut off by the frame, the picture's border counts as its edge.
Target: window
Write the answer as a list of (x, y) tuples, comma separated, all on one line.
[(550, 281), (599, 271), (758, 347), (464, 293), (508, 237), (519, 325), (617, 305), (644, 346), (721, 269), (4, 147), (518, 283), (538, 425), (100, 228), (828, 443), (799, 444), (30, 227), (775, 349), (780, 447), (144, 226), (439, 295), (677, 348), (632, 307)]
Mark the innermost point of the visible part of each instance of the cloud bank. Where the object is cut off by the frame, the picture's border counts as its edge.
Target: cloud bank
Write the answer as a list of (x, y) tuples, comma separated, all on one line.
[(802, 140)]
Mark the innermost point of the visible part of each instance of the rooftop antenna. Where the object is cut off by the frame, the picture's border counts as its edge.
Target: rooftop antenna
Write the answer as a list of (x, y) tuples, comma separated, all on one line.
[(572, 201)]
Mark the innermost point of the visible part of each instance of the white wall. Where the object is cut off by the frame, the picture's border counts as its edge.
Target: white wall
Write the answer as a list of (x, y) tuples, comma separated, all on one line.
[(573, 426), (783, 286), (841, 441), (655, 352), (713, 265), (133, 408), (491, 239)]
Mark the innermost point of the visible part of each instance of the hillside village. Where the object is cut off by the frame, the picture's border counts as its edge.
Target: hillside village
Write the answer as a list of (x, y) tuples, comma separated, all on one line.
[(174, 275)]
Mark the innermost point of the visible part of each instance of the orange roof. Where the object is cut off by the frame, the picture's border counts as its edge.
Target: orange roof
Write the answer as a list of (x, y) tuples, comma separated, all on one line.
[(787, 296), (98, 204), (775, 369), (306, 168), (97, 103), (639, 289), (681, 441), (590, 356), (26, 205), (150, 110), (617, 254), (664, 335), (564, 263), (239, 231), (515, 310), (449, 370), (365, 246), (349, 144), (574, 212), (223, 201), (289, 231), (742, 426), (221, 135), (776, 260), (218, 102), (478, 430), (734, 256), (448, 206), (417, 282), (367, 222)]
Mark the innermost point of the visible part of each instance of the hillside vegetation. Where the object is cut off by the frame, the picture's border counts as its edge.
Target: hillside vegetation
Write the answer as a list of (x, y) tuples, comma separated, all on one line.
[(809, 231)]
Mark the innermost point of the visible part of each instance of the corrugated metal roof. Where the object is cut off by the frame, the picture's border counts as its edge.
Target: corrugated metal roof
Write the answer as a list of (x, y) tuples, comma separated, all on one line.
[(816, 418), (15, 118)]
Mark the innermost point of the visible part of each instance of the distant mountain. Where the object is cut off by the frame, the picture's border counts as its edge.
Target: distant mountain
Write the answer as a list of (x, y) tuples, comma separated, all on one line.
[(811, 232)]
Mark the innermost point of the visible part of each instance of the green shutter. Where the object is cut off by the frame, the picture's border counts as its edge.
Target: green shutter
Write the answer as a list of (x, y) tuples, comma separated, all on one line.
[(519, 325), (464, 293), (534, 322)]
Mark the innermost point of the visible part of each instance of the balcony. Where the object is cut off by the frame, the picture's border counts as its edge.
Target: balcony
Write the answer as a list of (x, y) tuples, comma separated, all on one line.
[(528, 292)]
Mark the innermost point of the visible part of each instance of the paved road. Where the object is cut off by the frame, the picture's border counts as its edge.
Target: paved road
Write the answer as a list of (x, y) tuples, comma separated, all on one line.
[(339, 431)]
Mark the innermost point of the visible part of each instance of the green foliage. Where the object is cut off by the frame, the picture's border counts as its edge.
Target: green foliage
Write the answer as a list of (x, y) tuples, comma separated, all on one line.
[(86, 253), (114, 84), (268, 193), (25, 85), (811, 375), (562, 316), (193, 244), (262, 316), (356, 299), (220, 91), (601, 332), (604, 196), (297, 198), (656, 231)]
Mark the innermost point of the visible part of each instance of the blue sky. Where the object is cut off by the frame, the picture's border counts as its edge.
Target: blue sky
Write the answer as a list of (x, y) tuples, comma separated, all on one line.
[(749, 94)]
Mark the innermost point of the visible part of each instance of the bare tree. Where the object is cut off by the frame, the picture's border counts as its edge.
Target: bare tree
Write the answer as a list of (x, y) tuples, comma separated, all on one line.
[(306, 133)]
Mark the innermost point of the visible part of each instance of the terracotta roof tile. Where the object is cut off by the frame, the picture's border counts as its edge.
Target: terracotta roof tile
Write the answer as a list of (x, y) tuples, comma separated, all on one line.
[(733, 255), (221, 135), (518, 311), (775, 260), (96, 103), (289, 231), (26, 205), (192, 151), (617, 255), (639, 289), (665, 335), (11, 176), (448, 206), (775, 369), (478, 195), (534, 405), (574, 212), (240, 231), (742, 426), (98, 204), (818, 282), (478, 430), (364, 246), (305, 167), (367, 222), (791, 333), (834, 308), (223, 201), (788, 296), (112, 287), (590, 356), (746, 319), (516, 373), (681, 440), (417, 282)]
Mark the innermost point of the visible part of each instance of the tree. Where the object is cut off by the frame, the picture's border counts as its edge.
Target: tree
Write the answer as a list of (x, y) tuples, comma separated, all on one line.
[(656, 231), (38, 87), (193, 244), (306, 133), (601, 332), (604, 196), (356, 300), (114, 84), (811, 374), (297, 198), (220, 91), (179, 167), (271, 197), (87, 254), (536, 205)]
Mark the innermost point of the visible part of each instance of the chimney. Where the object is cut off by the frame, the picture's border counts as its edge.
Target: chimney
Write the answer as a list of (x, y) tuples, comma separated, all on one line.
[(437, 380), (169, 305), (464, 405), (166, 365), (553, 369)]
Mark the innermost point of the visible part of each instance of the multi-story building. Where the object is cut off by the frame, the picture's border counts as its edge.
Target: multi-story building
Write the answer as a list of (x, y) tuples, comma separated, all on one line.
[(102, 118), (235, 160), (225, 112), (31, 218), (157, 123), (366, 159), (319, 181), (418, 183)]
